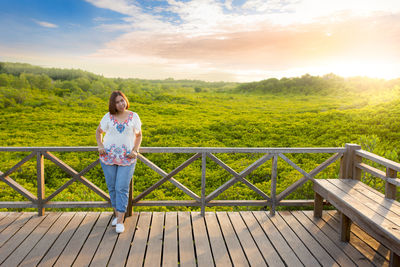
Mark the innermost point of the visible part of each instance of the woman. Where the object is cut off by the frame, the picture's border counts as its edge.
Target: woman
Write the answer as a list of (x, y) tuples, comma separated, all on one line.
[(118, 152)]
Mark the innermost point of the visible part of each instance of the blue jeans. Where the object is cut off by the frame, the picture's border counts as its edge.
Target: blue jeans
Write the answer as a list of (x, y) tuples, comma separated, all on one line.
[(117, 180)]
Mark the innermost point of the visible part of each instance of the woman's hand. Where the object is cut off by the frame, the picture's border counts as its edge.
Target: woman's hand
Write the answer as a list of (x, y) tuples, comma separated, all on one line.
[(133, 154), (102, 151)]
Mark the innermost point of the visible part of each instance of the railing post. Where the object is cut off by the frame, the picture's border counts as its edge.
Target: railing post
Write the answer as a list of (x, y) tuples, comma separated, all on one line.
[(40, 182), (203, 183), (348, 162), (390, 189), (274, 173), (129, 209)]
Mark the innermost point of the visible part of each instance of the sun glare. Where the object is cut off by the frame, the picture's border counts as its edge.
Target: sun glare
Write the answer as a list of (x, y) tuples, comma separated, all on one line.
[(369, 69)]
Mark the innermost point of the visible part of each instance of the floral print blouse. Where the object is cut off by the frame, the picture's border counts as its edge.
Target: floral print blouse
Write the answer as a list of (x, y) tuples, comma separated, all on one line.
[(119, 138)]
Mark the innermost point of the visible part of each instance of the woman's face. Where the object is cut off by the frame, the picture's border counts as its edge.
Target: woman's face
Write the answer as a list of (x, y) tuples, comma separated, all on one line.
[(120, 103)]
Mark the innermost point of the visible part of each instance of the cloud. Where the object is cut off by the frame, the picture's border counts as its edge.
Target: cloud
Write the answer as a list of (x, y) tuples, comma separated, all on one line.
[(270, 46), (255, 37), (121, 6), (45, 24)]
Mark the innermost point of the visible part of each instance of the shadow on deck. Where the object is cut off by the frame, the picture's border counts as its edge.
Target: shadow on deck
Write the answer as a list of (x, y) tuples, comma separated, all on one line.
[(156, 238)]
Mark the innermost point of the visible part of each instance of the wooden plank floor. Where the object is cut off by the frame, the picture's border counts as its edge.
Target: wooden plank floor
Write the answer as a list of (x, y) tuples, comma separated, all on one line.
[(184, 239)]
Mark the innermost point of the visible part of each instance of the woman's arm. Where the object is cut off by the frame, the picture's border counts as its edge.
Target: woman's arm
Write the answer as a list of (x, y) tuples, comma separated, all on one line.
[(136, 146), (99, 140)]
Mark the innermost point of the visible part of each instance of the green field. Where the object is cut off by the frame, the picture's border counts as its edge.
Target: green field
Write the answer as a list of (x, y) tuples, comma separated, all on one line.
[(52, 107)]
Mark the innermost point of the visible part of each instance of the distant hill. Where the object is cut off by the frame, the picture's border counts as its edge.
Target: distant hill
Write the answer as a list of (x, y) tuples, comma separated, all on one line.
[(54, 73), (320, 85), (29, 85), (66, 81)]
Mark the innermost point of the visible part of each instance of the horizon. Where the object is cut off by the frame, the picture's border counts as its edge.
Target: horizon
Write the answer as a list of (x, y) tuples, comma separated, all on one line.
[(177, 80), (214, 41)]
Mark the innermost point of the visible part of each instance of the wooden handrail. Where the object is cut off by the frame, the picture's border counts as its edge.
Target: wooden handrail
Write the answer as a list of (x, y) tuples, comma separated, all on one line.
[(263, 150), (390, 176), (269, 154), (378, 159)]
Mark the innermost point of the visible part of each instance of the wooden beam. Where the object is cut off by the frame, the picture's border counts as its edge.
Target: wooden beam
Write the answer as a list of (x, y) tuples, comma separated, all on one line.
[(371, 170), (75, 174), (59, 190), (17, 204), (40, 182), (304, 179), (50, 148), (148, 203), (318, 205), (167, 177), (345, 224), (77, 204), (390, 189), (291, 188), (255, 165), (379, 174), (216, 203), (19, 188), (237, 176), (68, 169), (19, 164), (274, 174), (222, 164), (221, 189), (94, 188), (263, 150), (190, 150), (89, 167), (203, 183), (356, 171), (394, 259), (291, 163), (232, 181), (378, 159), (348, 165), (129, 208)]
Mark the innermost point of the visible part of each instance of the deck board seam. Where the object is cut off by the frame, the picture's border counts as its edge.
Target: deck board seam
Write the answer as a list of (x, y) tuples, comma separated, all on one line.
[(83, 244), (22, 241), (237, 236), (16, 231), (283, 236), (269, 239), (223, 237), (209, 241), (101, 239), (147, 240), (331, 237), (314, 237), (252, 237), (367, 244), (130, 241), (55, 240), (44, 234)]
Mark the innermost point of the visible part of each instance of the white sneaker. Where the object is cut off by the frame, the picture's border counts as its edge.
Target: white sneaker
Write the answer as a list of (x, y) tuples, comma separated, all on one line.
[(119, 228), (114, 222)]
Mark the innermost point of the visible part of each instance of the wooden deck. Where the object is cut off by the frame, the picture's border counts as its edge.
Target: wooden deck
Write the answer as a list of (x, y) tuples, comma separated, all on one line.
[(152, 239)]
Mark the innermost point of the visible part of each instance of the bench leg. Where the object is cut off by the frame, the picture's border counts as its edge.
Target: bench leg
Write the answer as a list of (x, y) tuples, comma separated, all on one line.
[(394, 260), (345, 224), (318, 205)]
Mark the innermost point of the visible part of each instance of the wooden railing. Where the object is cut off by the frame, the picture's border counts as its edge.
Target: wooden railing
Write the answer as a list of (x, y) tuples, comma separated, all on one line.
[(389, 176), (350, 167)]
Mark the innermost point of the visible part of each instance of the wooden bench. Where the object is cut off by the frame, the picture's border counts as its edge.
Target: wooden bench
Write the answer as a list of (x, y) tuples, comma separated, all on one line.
[(369, 209)]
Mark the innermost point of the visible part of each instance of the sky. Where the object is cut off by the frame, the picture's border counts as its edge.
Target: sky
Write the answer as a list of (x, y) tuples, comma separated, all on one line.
[(211, 40)]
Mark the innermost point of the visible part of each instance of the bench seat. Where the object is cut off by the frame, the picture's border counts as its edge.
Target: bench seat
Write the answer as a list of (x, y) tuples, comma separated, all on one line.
[(368, 208)]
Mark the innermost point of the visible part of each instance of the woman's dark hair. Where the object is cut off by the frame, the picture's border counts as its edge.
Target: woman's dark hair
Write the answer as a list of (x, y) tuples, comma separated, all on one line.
[(111, 104)]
